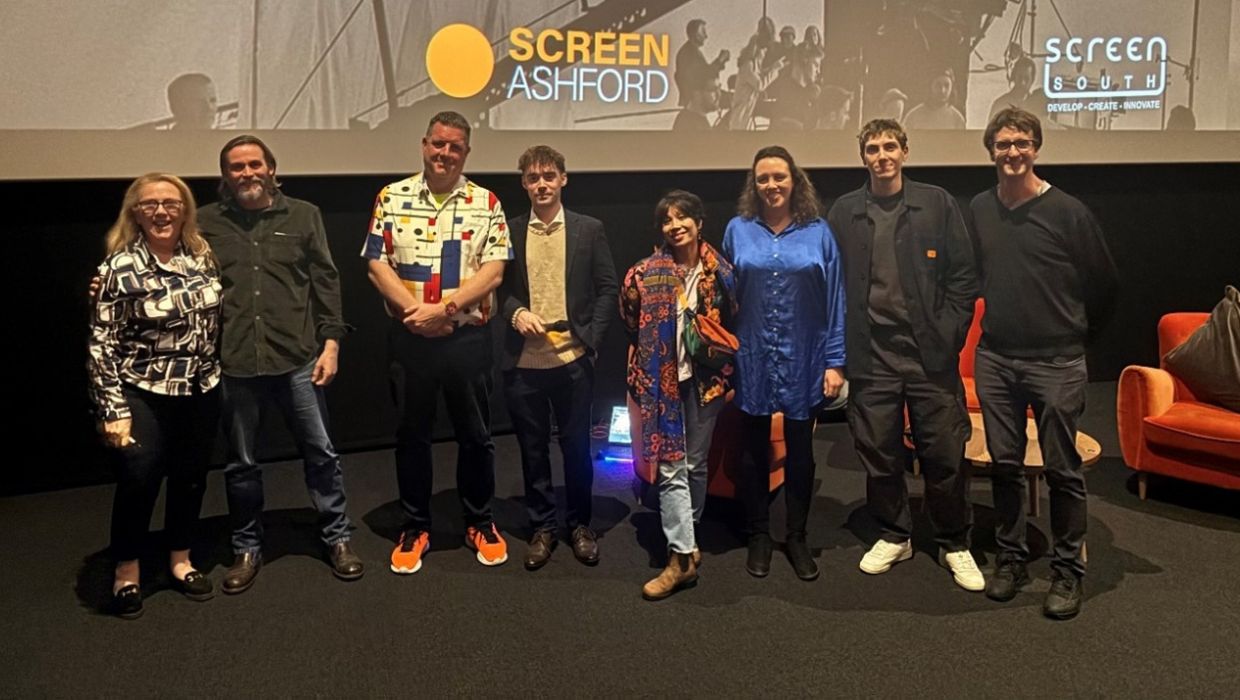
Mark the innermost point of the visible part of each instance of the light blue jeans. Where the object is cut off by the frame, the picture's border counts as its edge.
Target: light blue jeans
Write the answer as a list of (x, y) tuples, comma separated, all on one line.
[(682, 484)]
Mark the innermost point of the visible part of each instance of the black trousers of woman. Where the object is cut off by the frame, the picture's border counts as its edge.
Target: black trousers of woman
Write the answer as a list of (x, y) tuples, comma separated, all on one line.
[(174, 436), (799, 471)]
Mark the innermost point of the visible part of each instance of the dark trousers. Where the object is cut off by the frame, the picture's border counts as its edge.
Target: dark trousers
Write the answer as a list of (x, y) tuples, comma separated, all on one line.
[(459, 365), (799, 470), (534, 395), (304, 407), (940, 425), (1055, 388), (174, 436)]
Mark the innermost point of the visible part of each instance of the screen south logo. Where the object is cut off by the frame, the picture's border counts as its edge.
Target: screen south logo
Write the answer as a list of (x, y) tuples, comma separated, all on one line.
[(554, 64), (1103, 70)]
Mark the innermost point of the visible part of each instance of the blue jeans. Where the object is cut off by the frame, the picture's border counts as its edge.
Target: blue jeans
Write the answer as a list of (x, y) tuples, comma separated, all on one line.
[(682, 484), (305, 414)]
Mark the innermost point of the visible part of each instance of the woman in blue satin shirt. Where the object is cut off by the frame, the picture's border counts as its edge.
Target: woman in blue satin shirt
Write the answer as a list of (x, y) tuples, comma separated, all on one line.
[(790, 293)]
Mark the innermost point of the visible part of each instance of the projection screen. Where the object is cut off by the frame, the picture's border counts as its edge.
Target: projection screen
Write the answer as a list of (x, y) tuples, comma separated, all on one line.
[(119, 87)]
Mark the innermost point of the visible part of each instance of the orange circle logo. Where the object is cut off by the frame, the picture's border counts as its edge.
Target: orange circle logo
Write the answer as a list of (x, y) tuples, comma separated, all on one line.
[(459, 60)]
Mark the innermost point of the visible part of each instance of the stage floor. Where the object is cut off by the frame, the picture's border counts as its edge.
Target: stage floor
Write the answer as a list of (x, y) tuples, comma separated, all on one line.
[(1160, 617)]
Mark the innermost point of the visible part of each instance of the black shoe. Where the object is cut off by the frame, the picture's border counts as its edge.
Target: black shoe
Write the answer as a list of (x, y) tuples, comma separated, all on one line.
[(585, 545), (1063, 600), (539, 551), (758, 563), (1005, 583), (346, 565), (800, 557), (127, 602), (240, 576), (195, 586)]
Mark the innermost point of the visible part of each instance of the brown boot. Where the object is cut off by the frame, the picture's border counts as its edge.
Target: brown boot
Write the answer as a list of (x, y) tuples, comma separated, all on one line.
[(680, 573)]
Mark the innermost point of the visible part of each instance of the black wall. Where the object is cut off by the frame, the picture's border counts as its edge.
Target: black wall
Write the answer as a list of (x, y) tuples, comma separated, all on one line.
[(1171, 228)]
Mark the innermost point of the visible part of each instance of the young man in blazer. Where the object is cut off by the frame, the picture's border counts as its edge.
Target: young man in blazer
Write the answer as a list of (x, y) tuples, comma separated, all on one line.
[(911, 283), (558, 295)]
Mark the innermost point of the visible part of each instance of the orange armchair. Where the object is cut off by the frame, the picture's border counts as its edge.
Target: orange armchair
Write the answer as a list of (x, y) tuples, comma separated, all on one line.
[(1164, 429), (967, 355)]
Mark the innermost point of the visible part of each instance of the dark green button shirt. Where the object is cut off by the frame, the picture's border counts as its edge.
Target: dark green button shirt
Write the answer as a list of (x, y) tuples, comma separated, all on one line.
[(281, 288)]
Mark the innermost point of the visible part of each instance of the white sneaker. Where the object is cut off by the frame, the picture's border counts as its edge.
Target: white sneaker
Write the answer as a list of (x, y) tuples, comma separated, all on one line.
[(883, 554), (964, 570)]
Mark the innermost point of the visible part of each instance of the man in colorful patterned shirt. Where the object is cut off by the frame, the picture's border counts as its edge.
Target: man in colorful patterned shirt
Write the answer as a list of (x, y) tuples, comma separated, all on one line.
[(436, 248)]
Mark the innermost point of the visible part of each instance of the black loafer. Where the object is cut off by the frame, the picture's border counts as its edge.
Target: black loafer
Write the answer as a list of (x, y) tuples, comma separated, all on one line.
[(127, 602), (195, 586)]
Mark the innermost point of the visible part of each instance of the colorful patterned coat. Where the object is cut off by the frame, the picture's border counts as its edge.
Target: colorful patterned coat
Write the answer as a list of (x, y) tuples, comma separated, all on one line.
[(648, 308)]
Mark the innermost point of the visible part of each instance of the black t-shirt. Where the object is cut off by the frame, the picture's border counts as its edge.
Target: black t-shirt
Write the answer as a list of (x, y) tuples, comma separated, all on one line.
[(887, 306)]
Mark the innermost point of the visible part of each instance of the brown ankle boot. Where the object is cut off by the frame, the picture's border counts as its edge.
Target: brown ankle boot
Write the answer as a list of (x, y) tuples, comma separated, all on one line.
[(680, 573)]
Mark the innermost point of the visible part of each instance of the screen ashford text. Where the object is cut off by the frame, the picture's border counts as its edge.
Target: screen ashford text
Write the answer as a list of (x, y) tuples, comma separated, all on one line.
[(553, 65)]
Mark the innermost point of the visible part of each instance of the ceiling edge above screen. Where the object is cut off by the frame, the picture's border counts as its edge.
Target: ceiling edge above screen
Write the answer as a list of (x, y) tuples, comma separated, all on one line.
[(40, 155)]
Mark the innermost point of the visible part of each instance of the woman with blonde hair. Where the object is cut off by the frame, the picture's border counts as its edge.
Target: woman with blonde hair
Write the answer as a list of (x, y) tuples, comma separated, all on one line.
[(153, 370)]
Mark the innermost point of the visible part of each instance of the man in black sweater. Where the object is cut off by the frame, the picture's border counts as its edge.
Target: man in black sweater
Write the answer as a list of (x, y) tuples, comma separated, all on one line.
[(911, 285), (1049, 284)]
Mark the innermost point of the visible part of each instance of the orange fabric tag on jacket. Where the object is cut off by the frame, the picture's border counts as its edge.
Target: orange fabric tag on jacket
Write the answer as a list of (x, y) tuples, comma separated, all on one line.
[(932, 253)]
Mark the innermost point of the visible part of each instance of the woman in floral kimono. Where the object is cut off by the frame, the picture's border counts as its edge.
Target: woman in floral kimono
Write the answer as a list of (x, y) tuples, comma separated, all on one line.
[(679, 397)]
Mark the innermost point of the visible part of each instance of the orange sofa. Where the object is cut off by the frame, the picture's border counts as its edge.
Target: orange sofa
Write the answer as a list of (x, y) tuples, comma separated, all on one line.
[(1164, 429)]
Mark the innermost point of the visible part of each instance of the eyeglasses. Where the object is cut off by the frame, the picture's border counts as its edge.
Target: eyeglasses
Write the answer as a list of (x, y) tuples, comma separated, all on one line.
[(1023, 145), (150, 206)]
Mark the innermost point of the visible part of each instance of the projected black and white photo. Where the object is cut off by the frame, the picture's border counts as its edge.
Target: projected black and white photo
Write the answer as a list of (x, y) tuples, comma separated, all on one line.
[(380, 67)]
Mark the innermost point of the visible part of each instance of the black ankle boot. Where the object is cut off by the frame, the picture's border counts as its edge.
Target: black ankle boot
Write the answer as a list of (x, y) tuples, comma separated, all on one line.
[(800, 557), (758, 562)]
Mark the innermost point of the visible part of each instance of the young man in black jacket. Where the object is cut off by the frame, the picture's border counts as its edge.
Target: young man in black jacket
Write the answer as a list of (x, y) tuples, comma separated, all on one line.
[(1049, 283), (557, 297), (911, 285)]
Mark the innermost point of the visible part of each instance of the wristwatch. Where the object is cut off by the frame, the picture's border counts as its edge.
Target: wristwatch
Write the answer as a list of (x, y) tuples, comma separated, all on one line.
[(450, 308)]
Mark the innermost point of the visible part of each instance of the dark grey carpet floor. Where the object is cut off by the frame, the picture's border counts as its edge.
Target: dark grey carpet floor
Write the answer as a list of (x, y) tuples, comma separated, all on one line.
[(1161, 617)]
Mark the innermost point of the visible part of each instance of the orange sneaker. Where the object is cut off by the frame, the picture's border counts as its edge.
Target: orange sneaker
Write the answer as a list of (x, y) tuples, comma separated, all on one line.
[(407, 557), (488, 543)]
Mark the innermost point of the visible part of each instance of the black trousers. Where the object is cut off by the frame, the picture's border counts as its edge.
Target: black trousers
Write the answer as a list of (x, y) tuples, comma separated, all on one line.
[(940, 425), (799, 471), (1055, 388), (174, 436), (459, 365), (534, 395)]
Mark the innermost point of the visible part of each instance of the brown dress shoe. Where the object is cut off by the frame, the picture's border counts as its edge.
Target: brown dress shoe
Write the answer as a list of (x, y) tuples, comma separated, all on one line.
[(240, 576), (346, 565), (539, 552), (585, 545), (679, 573)]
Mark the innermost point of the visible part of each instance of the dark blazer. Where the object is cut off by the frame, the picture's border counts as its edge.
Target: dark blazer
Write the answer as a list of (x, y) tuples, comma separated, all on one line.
[(590, 283), (934, 255)]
